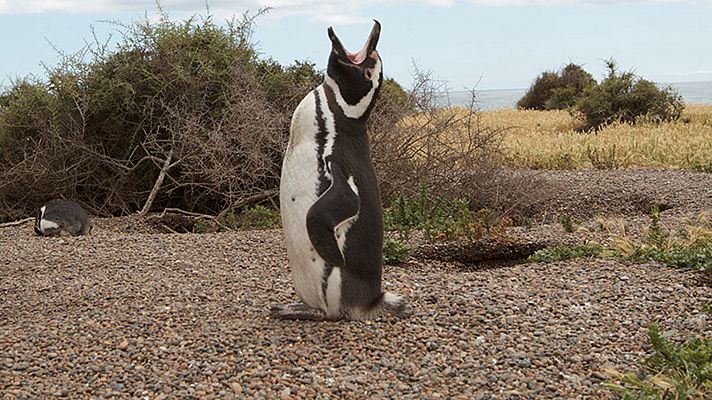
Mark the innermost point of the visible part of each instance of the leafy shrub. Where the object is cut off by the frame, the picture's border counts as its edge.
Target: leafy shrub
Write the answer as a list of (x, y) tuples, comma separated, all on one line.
[(186, 100), (285, 86), (568, 224), (693, 250), (440, 218), (201, 226), (24, 114), (556, 90), (252, 217), (565, 252), (625, 97), (259, 216), (697, 257), (395, 251), (673, 371)]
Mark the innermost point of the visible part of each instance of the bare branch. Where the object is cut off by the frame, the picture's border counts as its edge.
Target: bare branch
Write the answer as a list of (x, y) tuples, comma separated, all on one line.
[(157, 186), (15, 223)]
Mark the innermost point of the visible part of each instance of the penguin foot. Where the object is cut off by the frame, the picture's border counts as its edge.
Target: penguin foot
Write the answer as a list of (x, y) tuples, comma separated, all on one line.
[(298, 311), (395, 305)]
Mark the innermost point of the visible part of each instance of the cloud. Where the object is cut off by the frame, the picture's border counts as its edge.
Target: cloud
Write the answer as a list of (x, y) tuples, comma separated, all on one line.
[(572, 2), (333, 8), (341, 19), (346, 11)]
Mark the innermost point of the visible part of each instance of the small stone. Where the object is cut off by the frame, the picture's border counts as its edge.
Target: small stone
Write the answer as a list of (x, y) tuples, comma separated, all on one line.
[(123, 345), (285, 394), (21, 366), (236, 388)]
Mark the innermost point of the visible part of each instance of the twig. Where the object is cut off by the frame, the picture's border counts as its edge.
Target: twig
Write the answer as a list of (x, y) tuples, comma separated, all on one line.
[(157, 185), (15, 223), (188, 213)]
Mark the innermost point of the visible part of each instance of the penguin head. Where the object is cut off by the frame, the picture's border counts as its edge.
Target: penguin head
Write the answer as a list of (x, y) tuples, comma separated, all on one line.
[(355, 77)]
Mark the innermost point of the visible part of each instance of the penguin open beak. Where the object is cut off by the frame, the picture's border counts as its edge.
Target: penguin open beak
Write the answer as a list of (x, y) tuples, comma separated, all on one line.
[(368, 48)]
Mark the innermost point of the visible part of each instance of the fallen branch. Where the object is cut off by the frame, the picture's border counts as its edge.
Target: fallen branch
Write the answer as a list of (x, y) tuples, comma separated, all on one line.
[(15, 223), (188, 213), (157, 185)]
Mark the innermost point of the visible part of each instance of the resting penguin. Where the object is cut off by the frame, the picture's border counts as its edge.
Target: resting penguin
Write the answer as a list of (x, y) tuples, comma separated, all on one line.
[(61, 216), (329, 199)]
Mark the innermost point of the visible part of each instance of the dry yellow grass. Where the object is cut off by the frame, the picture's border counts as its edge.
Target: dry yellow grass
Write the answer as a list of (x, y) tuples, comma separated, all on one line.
[(549, 140)]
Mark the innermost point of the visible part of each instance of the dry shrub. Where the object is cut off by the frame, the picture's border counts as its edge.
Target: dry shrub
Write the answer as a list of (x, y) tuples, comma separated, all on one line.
[(182, 115), (448, 151), (229, 161)]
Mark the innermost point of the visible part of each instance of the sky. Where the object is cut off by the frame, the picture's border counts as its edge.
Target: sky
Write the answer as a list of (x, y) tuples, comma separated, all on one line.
[(482, 44)]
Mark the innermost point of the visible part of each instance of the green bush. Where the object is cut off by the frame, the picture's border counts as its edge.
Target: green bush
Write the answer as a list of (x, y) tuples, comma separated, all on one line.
[(25, 111), (252, 217), (673, 371), (698, 256), (260, 217), (285, 86), (556, 90), (104, 122), (625, 97), (440, 218), (658, 245), (565, 252), (395, 251)]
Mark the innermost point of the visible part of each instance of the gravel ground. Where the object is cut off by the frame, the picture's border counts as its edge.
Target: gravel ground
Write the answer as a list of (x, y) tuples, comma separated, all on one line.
[(586, 194), (125, 314)]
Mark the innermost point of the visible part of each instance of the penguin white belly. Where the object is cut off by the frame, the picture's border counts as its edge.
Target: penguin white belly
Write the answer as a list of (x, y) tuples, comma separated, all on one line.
[(298, 187)]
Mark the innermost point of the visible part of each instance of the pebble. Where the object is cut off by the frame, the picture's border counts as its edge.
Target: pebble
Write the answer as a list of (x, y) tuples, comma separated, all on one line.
[(551, 328)]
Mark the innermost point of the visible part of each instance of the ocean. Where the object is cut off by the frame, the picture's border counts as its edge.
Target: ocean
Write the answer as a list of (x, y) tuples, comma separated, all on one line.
[(691, 92)]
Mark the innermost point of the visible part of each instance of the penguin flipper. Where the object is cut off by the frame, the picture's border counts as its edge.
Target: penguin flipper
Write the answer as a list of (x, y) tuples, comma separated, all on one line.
[(336, 205)]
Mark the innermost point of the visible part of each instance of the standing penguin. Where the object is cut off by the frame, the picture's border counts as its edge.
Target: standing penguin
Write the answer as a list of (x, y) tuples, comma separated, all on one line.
[(61, 216), (329, 199)]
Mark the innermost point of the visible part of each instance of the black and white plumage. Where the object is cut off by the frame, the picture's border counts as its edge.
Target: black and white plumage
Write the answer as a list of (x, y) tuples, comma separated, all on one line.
[(62, 217), (329, 199)]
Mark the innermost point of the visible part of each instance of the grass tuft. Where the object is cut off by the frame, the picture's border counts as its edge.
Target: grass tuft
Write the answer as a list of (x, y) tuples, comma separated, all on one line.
[(565, 252), (673, 371), (395, 251)]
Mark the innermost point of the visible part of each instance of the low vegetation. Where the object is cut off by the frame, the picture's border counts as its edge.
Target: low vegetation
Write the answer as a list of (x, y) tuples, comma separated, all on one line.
[(395, 251), (689, 248), (551, 140), (436, 218), (675, 370), (565, 252), (440, 218)]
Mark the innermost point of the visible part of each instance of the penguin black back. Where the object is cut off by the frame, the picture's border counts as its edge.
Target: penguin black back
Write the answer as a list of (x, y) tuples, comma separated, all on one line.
[(60, 216)]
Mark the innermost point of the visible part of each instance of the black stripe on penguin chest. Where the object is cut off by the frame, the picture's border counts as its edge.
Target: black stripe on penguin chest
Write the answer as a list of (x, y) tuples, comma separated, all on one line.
[(351, 152), (350, 148)]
